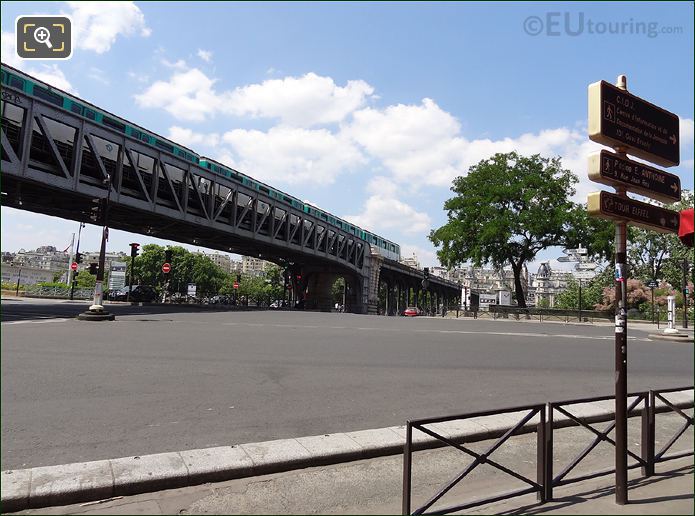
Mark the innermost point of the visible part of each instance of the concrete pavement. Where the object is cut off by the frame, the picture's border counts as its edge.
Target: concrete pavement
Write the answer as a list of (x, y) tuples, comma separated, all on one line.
[(80, 482), (374, 486)]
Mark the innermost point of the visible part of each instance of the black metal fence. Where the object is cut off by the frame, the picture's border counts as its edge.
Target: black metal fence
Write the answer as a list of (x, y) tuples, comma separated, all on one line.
[(643, 404)]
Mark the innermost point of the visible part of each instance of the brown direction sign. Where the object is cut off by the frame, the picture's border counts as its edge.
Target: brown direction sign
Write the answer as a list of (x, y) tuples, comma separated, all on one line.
[(610, 169), (619, 119), (612, 206)]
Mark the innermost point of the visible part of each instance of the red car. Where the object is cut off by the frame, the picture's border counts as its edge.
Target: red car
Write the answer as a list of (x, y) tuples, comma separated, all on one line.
[(412, 311)]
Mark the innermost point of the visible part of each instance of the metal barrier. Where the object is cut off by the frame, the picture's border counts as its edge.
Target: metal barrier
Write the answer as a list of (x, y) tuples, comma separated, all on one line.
[(560, 406), (480, 458), (545, 481), (649, 428)]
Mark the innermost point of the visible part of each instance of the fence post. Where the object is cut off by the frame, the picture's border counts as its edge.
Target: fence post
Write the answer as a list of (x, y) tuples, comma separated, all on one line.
[(407, 457), (548, 465), (648, 415), (541, 458)]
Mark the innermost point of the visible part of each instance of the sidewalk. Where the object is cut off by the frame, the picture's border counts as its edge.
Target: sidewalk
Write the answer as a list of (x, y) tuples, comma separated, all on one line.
[(374, 486)]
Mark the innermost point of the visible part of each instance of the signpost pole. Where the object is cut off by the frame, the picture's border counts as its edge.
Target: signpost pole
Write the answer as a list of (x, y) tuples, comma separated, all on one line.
[(580, 299), (685, 293), (621, 343), (652, 305)]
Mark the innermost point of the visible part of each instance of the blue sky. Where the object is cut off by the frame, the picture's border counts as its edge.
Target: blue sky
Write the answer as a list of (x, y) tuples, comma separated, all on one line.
[(368, 110)]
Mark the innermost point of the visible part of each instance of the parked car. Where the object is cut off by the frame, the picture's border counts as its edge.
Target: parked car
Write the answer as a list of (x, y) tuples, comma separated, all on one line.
[(412, 311), (139, 294)]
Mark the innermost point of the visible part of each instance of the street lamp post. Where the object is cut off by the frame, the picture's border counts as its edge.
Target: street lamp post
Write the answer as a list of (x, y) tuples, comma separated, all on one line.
[(685, 293), (96, 312), (77, 253)]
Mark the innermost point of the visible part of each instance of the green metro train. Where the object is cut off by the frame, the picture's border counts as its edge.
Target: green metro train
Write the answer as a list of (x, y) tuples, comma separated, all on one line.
[(15, 79)]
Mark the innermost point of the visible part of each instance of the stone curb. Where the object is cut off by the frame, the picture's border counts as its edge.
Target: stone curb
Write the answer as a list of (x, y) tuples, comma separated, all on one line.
[(89, 481)]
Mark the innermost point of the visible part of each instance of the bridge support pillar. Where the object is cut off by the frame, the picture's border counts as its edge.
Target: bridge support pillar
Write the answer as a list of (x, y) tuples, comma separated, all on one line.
[(372, 290)]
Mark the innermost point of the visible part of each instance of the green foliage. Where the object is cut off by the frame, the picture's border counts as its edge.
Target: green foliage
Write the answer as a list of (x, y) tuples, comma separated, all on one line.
[(51, 284), (592, 294), (506, 210), (337, 290), (543, 302), (659, 256)]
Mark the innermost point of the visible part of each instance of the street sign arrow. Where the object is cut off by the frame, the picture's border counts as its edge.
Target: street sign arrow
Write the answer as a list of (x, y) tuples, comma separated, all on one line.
[(588, 266), (611, 206), (610, 169), (620, 119), (566, 259), (584, 274)]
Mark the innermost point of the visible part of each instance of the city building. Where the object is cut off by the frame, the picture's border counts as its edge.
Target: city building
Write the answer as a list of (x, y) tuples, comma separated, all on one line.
[(251, 266), (411, 262), (223, 261), (45, 257), (546, 284), (26, 275)]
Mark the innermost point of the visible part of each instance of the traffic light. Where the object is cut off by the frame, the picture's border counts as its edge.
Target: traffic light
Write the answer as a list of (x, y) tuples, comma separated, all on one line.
[(238, 278), (426, 271), (93, 268), (167, 256), (299, 277), (78, 257), (133, 250)]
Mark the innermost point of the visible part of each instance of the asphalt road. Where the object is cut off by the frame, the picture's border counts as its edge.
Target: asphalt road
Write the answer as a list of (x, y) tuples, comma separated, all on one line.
[(171, 378)]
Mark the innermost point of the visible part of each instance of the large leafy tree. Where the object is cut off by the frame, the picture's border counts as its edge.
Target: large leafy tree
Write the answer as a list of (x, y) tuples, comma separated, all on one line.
[(659, 256), (507, 209)]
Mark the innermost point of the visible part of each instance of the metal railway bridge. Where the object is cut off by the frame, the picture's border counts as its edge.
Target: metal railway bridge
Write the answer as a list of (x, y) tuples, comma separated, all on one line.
[(58, 163)]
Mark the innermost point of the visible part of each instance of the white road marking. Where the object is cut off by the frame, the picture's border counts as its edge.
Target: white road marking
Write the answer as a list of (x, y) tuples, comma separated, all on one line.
[(461, 332), (42, 321)]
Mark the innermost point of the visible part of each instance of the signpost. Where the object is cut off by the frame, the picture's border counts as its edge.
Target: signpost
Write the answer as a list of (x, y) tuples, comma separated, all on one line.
[(610, 169), (634, 126), (236, 286), (166, 268), (584, 274), (617, 207), (619, 119)]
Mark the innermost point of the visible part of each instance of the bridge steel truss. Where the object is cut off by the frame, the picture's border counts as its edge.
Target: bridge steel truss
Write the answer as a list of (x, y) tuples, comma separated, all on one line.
[(55, 162)]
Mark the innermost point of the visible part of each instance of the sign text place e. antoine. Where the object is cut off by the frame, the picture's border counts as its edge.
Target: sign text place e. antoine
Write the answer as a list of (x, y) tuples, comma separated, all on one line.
[(610, 169)]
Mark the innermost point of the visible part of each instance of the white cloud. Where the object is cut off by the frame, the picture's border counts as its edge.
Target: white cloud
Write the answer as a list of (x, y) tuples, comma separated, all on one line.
[(190, 138), (186, 96), (180, 64), (301, 102), (205, 55), (687, 131), (50, 74), (96, 25), (422, 145), (383, 212), (291, 155), (98, 75)]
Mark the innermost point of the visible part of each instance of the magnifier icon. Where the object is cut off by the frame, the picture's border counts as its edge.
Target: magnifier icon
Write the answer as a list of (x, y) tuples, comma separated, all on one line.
[(42, 35)]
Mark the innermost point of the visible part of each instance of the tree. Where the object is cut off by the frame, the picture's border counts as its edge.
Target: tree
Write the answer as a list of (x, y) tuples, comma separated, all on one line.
[(507, 209), (592, 294), (658, 256)]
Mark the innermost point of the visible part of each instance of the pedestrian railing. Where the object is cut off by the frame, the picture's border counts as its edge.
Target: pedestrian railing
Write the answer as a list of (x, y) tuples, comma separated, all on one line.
[(661, 456), (563, 407), (644, 404), (57, 292), (535, 486)]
